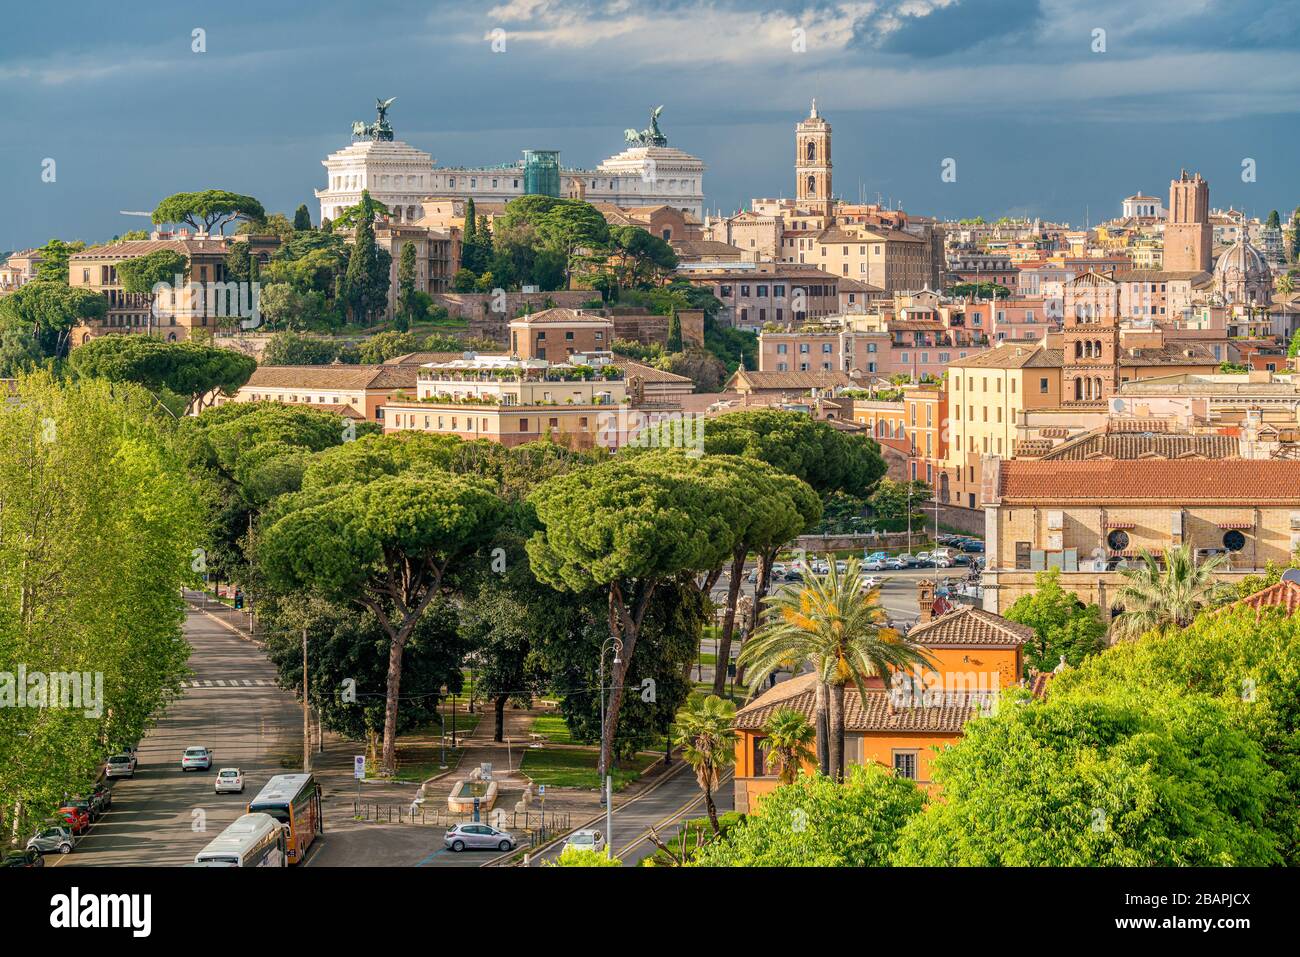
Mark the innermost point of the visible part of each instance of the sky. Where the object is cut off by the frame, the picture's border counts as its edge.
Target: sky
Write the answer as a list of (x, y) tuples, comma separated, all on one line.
[(1049, 108)]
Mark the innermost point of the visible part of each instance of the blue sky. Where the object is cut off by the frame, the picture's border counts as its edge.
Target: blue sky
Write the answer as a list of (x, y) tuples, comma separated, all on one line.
[(1038, 122)]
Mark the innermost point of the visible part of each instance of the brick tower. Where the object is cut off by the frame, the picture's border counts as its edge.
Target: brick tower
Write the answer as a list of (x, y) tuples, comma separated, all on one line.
[(1189, 239)]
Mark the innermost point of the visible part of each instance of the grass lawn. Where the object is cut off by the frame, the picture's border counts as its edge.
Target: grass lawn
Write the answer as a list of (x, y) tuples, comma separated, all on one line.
[(553, 726), (465, 722), (568, 768), (416, 772)]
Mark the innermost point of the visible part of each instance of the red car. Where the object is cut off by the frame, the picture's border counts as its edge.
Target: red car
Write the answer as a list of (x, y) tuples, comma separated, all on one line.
[(77, 819)]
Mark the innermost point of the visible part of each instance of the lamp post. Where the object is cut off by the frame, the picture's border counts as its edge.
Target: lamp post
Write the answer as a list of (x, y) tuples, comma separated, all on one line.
[(617, 644)]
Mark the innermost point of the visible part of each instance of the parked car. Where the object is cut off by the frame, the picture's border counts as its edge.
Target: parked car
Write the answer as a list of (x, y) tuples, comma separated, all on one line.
[(869, 582), (460, 837), (77, 814), (120, 766), (51, 838), (875, 556), (873, 565), (199, 759), (794, 577), (974, 545), (22, 858), (905, 560), (821, 566), (229, 781), (586, 841), (100, 798)]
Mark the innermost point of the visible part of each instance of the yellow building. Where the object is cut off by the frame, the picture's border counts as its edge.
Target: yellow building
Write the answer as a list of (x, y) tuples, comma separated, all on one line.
[(1091, 518), (973, 654)]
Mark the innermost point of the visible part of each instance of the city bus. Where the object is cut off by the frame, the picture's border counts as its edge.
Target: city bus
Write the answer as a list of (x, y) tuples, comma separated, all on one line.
[(293, 799), (254, 840)]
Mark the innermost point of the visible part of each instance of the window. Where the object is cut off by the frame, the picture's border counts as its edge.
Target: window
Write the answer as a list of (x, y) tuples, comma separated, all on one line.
[(905, 764), (1042, 386), (1117, 540), (1233, 540)]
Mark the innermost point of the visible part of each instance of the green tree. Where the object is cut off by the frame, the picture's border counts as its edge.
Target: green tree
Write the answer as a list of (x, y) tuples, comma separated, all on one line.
[(48, 311), (385, 545), (98, 529), (789, 744), (142, 273), (626, 527), (406, 303), (55, 255), (708, 744), (830, 623), (815, 822), (366, 211), (1064, 627), (894, 500), (1121, 783), (302, 218), (367, 283), (208, 209), (194, 370), (573, 857), (296, 349), (1166, 591), (674, 343)]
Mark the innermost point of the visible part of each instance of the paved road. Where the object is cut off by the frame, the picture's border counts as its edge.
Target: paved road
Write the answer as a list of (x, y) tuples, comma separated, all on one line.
[(676, 799), (164, 816)]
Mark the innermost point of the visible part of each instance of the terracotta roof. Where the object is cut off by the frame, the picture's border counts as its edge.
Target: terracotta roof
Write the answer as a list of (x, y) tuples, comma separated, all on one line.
[(969, 626), (789, 381), (1180, 352), (1012, 356), (874, 713), (420, 358), (333, 377), (1140, 445), (559, 314), (704, 248), (650, 373), (132, 248), (1284, 594), (1182, 481)]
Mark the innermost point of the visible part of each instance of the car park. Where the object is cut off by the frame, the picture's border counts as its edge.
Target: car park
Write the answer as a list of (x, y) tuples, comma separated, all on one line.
[(585, 840), (52, 838), (229, 781), (120, 766), (462, 837), (22, 858), (196, 759)]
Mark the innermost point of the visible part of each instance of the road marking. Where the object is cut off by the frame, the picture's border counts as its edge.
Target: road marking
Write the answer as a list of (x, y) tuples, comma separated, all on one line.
[(672, 818)]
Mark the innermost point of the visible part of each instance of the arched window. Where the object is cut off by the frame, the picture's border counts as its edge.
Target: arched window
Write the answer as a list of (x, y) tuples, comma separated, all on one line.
[(1078, 349), (812, 186), (812, 150)]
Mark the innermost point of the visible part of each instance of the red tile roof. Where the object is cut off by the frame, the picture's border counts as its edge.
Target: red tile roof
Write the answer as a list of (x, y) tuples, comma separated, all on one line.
[(971, 627), (872, 713), (1184, 481), (1283, 594)]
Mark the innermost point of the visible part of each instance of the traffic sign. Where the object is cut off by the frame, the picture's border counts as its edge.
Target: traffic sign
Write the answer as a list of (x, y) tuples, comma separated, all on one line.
[(359, 766)]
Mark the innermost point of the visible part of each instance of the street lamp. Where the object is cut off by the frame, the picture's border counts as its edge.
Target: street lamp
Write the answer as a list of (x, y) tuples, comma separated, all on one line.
[(617, 644)]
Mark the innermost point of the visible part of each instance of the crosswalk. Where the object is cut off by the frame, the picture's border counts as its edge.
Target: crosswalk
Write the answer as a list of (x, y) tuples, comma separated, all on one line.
[(229, 683)]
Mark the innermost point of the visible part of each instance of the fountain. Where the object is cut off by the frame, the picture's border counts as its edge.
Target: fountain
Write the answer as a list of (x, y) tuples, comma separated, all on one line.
[(479, 785)]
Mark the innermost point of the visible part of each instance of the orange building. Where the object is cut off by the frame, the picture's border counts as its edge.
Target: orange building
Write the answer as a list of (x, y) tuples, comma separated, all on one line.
[(973, 654)]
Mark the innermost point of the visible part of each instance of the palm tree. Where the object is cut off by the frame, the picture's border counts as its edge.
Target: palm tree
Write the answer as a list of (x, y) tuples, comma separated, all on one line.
[(1285, 285), (838, 629), (789, 742), (1157, 595), (708, 743)]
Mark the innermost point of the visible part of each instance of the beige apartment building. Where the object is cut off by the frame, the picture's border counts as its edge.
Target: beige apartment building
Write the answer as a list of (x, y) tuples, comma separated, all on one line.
[(1092, 518), (516, 400), (353, 391), (176, 315)]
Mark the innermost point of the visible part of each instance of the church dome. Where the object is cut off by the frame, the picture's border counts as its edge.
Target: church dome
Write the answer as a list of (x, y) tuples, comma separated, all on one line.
[(1243, 260)]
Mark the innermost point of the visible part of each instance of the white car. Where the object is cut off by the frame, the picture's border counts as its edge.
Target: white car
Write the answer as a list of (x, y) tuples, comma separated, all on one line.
[(120, 766), (229, 781), (869, 582), (585, 841), (196, 759)]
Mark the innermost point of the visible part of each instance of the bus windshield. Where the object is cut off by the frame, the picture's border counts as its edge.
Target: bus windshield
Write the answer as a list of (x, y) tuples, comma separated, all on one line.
[(277, 811)]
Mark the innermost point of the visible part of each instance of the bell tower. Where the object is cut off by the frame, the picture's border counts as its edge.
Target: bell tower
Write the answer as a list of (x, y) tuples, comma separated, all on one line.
[(812, 164)]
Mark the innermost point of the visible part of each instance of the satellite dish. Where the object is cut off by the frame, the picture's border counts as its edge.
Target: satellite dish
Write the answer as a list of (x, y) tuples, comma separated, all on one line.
[(1117, 405), (1291, 575)]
